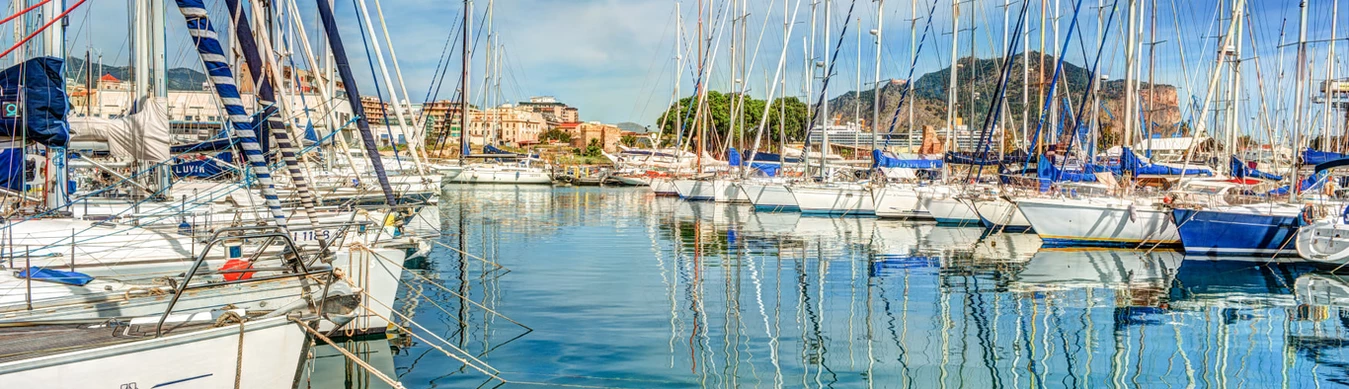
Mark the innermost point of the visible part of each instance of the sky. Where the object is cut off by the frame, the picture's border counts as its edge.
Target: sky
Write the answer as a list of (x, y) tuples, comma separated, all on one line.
[(615, 59)]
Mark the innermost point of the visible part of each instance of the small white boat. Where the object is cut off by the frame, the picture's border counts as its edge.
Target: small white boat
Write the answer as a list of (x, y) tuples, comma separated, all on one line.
[(945, 205), (521, 173), (1324, 241), (998, 213), (693, 189), (846, 199), (769, 196), (899, 201), (1100, 222)]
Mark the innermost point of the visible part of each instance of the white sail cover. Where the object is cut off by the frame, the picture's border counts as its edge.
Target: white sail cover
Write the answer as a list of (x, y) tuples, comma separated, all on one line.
[(143, 135)]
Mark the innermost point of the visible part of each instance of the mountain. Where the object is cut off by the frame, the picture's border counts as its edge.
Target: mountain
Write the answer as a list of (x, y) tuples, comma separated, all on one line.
[(178, 78), (980, 77)]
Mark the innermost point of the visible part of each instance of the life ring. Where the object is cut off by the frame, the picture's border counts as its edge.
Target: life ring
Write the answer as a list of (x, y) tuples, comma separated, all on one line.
[(1307, 215)]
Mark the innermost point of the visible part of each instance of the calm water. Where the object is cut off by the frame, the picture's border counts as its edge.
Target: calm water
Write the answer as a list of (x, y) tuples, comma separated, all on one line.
[(622, 289)]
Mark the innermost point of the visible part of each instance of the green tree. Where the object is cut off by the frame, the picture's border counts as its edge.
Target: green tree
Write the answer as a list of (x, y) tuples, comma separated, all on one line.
[(629, 140), (594, 149), (718, 110), (556, 134)]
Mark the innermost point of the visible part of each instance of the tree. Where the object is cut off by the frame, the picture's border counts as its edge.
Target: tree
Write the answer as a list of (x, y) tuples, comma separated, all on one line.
[(718, 111), (556, 134), (629, 140), (594, 149)]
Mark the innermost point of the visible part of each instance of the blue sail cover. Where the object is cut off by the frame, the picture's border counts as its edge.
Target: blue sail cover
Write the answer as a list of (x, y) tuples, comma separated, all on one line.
[(1129, 163), (1242, 170), (41, 115), (11, 169), (773, 158), (1048, 173), (882, 159), (990, 159), (733, 157), (202, 168), (1312, 156)]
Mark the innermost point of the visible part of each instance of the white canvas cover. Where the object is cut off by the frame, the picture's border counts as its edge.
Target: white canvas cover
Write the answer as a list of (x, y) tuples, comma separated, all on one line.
[(143, 135)]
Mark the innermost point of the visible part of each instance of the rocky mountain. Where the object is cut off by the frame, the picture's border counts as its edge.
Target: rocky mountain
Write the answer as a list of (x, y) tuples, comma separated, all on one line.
[(978, 78), (178, 78)]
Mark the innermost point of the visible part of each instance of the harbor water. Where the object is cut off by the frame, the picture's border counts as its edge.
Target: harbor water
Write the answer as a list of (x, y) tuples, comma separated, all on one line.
[(616, 288)]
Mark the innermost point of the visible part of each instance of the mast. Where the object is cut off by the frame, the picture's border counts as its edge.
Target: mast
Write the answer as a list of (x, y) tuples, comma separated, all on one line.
[(679, 78), (354, 98), (824, 92), (913, 54), (1234, 92), (1152, 84), (1330, 75), (876, 87), (467, 54), (1130, 83), (951, 94), (702, 81), (1298, 92)]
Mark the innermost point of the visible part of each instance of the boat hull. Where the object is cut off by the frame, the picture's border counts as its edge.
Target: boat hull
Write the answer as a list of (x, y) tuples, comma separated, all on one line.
[(696, 190), (1099, 223), (949, 210), (827, 200), (664, 187), (271, 351), (899, 202), (1324, 242), (1000, 214), (770, 197), (1239, 231), (496, 175)]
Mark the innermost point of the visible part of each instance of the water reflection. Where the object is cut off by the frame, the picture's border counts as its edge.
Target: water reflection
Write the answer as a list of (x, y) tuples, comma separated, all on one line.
[(624, 289)]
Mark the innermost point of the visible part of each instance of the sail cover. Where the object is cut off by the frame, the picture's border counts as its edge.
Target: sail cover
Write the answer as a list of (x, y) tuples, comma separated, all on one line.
[(143, 135), (11, 169), (33, 102)]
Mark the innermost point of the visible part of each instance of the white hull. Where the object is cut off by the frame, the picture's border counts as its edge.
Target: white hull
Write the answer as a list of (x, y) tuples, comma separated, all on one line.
[(633, 180), (1000, 213), (949, 210), (769, 197), (379, 273), (728, 191), (1100, 222), (664, 187), (834, 199), (696, 190), (899, 201), (1325, 241), (496, 174), (271, 352)]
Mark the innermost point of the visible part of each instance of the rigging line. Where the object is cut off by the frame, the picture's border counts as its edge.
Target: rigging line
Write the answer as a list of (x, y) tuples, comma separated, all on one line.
[(443, 59), (40, 29), (379, 94), (904, 94), (829, 73)]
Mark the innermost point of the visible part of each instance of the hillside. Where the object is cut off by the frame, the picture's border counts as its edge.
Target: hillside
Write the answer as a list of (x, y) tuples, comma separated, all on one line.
[(980, 77), (178, 78)]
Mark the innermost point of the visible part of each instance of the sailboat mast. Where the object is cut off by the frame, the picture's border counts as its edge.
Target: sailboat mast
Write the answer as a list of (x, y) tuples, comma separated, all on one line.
[(876, 86), (702, 82), (824, 91), (1330, 75), (467, 54), (1152, 84), (951, 88), (1130, 98), (679, 79), (913, 54), (1298, 91), (1233, 53)]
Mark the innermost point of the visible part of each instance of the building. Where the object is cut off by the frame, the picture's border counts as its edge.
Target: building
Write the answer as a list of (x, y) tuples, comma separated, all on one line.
[(553, 111), (607, 135), (509, 124)]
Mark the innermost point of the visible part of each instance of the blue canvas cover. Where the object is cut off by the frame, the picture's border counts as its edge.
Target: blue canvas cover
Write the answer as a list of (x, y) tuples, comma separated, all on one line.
[(1242, 170), (33, 102), (1312, 156), (11, 169), (881, 159), (1048, 173), (202, 168), (50, 275), (1129, 164), (733, 157)]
